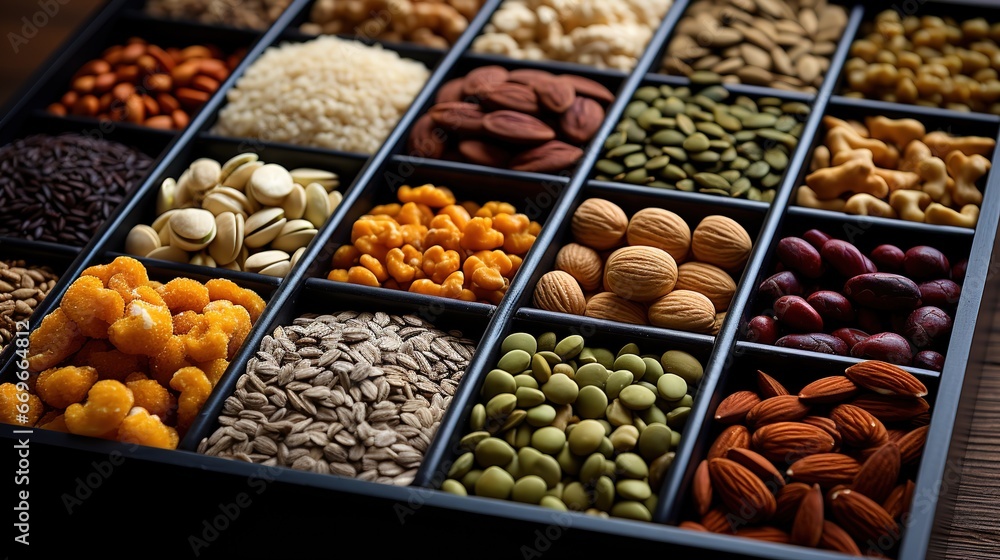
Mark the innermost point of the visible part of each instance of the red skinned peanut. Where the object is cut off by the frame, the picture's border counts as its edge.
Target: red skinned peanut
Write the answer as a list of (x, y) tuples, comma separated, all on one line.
[(762, 330), (887, 347)]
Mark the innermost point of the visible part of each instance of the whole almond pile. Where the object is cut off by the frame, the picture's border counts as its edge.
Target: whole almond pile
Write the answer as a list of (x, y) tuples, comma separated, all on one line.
[(831, 467), (524, 120)]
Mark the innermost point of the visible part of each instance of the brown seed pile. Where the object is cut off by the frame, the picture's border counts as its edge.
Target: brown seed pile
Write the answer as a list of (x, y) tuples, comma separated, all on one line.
[(351, 394), (60, 189), (22, 288)]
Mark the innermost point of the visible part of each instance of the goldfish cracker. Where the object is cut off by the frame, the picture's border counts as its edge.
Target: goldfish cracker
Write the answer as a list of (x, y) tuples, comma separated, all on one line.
[(487, 270), (471, 207), (61, 387), (54, 340), (338, 275), (346, 256), (435, 197), (219, 289), (403, 263), (184, 294), (134, 273), (467, 295), (147, 294), (153, 397), (108, 401), (509, 224), (207, 342), (495, 208), (534, 228), (518, 243), (213, 370), (144, 329), (413, 213), (109, 362), (390, 210), (479, 235), (142, 428), (443, 232), (92, 306), (187, 320), (451, 287), (375, 267), (376, 237), (233, 320), (439, 263), (413, 234), (362, 276), (12, 409), (515, 265), (458, 214), (172, 358), (194, 387)]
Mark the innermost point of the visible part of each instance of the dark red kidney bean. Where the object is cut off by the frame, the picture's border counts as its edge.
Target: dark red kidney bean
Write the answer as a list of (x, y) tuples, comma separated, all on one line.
[(762, 330), (929, 359), (927, 326), (958, 270), (781, 284), (796, 314), (798, 255), (940, 293), (814, 342), (883, 291), (887, 347), (816, 238), (846, 259), (850, 336), (926, 263), (832, 306), (888, 258), (870, 320)]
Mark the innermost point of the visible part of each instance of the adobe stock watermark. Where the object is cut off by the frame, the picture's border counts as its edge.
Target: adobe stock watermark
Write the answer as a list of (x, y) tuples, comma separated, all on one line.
[(31, 24)]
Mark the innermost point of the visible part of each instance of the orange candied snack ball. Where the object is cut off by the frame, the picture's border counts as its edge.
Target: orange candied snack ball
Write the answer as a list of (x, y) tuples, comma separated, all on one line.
[(220, 288), (172, 358), (92, 306), (110, 362), (187, 320), (132, 272), (213, 370), (144, 329), (435, 197), (194, 387), (119, 283), (61, 387), (17, 404), (54, 340), (57, 423), (231, 319), (108, 401), (184, 294), (142, 428), (152, 396)]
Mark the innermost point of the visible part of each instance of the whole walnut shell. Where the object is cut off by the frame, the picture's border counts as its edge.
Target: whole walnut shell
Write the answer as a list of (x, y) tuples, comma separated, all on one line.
[(599, 224), (721, 241), (560, 292), (582, 263), (662, 229)]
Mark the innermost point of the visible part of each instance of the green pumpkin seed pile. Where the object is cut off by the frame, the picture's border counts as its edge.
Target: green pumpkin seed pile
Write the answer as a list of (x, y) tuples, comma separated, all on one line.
[(692, 140), (575, 427)]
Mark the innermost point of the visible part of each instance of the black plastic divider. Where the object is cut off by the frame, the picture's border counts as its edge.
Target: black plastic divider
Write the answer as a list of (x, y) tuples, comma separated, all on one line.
[(346, 165), (735, 89), (717, 370), (329, 297), (776, 353), (561, 203), (429, 56), (560, 66), (585, 326), (667, 196)]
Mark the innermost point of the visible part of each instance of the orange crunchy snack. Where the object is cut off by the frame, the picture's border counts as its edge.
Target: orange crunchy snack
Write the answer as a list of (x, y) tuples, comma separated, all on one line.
[(429, 244), (131, 359)]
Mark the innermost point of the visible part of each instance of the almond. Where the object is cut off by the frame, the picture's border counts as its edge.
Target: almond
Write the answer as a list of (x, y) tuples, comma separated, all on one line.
[(701, 489), (716, 521), (450, 91), (808, 525), (765, 533), (741, 491), (458, 116), (610, 307), (518, 128), (862, 518), (837, 539), (559, 292), (480, 81), (734, 408), (886, 379), (732, 437), (580, 122), (879, 473), (898, 503), (891, 409), (828, 426), (758, 465), (424, 140), (692, 526), (589, 88), (556, 94), (513, 96), (786, 408), (483, 153), (528, 76), (858, 427), (911, 445), (549, 157), (786, 442), (829, 390), (788, 500), (599, 224), (769, 386), (825, 469)]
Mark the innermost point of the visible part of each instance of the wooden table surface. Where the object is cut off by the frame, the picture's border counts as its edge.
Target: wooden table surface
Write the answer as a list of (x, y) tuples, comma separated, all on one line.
[(974, 531)]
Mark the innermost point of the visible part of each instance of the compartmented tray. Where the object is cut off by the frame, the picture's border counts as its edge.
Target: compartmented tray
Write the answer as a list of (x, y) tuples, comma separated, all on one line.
[(367, 180)]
